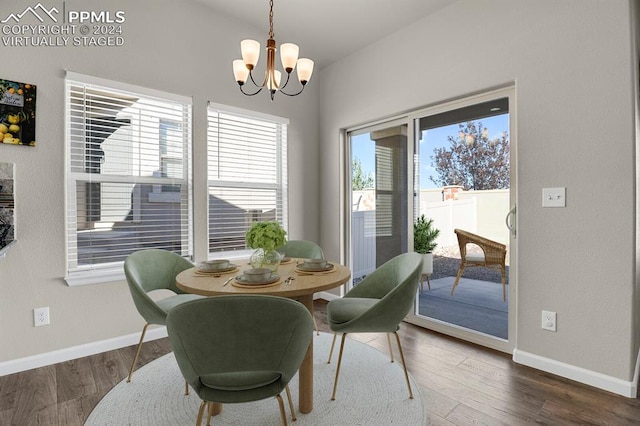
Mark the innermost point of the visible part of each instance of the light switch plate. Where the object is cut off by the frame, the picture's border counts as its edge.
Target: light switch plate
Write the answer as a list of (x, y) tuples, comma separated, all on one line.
[(554, 197)]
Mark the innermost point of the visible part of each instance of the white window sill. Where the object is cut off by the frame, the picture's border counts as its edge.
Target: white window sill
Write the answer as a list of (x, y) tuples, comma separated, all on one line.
[(116, 272), (95, 276)]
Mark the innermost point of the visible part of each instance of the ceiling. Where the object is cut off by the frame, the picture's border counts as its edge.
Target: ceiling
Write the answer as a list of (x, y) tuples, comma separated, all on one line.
[(328, 30)]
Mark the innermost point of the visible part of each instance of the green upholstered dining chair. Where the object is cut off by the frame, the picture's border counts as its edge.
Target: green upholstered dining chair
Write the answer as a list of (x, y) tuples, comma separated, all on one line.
[(303, 249), (378, 304), (240, 348), (149, 270)]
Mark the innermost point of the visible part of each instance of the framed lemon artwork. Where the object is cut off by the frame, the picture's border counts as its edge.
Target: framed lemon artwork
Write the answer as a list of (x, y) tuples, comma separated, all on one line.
[(17, 113)]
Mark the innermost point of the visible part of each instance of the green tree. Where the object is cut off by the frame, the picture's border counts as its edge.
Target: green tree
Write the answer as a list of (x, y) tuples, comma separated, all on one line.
[(473, 161), (359, 179)]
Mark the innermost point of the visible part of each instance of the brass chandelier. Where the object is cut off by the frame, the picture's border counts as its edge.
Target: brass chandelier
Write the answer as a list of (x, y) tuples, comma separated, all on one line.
[(243, 68)]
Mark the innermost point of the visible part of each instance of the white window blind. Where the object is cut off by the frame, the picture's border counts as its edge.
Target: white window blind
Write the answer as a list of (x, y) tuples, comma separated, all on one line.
[(128, 173), (247, 174)]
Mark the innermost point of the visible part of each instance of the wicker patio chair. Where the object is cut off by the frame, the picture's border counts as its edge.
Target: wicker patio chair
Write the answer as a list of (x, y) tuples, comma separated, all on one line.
[(493, 256)]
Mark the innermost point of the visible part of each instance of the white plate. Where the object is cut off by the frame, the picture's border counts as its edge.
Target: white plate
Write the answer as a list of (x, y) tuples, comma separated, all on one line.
[(243, 280), (208, 270), (303, 267)]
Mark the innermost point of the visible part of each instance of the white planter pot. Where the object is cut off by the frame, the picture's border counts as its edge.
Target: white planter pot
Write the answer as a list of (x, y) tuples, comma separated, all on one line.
[(427, 263)]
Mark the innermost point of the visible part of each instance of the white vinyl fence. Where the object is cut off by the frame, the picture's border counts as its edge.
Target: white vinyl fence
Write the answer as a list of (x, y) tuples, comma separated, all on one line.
[(480, 212), (363, 240), (452, 214)]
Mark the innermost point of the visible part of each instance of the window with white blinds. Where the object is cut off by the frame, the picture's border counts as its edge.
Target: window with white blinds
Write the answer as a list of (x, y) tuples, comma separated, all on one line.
[(128, 173), (247, 174)]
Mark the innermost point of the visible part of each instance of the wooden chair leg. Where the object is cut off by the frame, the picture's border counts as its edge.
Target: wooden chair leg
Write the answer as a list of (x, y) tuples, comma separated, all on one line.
[(335, 384), (428, 282), (404, 364), (209, 413), (333, 342), (315, 324), (455, 283), (291, 407), (200, 413), (504, 283), (213, 409), (135, 358), (186, 388), (283, 413), (390, 348)]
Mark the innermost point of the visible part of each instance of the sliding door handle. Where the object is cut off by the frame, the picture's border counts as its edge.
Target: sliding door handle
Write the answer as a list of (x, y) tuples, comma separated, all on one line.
[(510, 221)]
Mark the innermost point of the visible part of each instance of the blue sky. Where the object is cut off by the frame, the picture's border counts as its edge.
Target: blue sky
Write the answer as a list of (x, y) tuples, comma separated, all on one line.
[(364, 148)]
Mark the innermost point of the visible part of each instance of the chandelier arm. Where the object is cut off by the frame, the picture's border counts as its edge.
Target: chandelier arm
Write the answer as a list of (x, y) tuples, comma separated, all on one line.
[(286, 82), (254, 82), (292, 94), (250, 94)]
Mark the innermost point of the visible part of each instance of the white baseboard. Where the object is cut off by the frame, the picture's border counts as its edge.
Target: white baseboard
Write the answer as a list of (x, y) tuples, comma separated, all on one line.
[(636, 375), (74, 352), (592, 378), (582, 375)]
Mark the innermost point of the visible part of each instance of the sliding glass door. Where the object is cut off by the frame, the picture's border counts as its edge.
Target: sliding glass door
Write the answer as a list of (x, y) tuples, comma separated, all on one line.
[(454, 164)]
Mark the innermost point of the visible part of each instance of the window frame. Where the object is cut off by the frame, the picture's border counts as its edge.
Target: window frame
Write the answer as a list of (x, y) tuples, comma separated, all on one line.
[(75, 273), (280, 186)]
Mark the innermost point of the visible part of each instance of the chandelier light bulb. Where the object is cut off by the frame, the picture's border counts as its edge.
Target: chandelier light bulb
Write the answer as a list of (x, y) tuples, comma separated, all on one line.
[(289, 56), (273, 81), (250, 52), (240, 71), (305, 69)]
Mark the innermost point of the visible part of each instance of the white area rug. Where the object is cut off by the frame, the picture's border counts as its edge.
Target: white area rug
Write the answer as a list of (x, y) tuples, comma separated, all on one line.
[(371, 391)]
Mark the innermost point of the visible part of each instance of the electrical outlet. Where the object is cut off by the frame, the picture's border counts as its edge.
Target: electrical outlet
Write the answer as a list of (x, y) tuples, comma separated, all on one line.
[(41, 316), (549, 320)]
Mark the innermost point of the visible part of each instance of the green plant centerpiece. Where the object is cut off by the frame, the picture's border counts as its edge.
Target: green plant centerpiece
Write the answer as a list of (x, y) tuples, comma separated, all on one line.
[(424, 241), (265, 237)]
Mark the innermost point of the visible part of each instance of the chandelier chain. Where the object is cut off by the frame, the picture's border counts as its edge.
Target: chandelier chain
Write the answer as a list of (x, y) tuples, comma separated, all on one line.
[(270, 18)]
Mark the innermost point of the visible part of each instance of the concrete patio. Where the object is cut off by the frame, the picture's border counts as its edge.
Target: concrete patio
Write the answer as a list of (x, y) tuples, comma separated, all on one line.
[(477, 305)]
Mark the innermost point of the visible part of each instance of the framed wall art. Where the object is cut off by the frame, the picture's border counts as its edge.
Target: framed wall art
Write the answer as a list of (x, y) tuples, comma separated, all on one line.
[(7, 231), (17, 113)]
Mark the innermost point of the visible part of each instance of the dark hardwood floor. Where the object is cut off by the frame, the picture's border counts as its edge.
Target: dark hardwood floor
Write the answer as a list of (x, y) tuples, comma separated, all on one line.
[(460, 384)]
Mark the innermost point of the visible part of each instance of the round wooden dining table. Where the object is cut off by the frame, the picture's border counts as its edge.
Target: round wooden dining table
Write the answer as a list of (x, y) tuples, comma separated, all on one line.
[(301, 286)]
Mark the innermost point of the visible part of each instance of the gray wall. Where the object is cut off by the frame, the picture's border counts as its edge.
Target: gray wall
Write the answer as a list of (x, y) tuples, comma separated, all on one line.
[(178, 47), (574, 72)]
